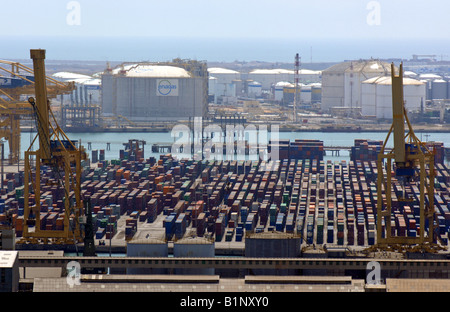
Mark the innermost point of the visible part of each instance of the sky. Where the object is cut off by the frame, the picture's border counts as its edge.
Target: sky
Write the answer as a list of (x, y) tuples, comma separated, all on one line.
[(227, 19)]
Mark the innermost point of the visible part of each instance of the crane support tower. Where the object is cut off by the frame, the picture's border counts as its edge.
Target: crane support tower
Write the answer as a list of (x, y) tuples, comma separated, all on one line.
[(411, 161), (59, 154)]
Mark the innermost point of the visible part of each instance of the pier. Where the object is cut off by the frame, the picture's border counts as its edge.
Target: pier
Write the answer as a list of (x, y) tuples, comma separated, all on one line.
[(166, 147)]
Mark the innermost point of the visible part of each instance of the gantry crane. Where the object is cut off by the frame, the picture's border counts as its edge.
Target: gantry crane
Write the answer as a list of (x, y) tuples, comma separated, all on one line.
[(411, 161), (13, 108), (60, 154)]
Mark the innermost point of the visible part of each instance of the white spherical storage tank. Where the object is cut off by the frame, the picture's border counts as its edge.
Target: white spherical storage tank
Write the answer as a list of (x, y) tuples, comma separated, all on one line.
[(194, 247), (377, 96)]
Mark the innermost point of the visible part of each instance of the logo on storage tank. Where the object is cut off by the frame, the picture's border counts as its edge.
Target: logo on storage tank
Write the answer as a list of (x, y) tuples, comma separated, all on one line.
[(167, 87)]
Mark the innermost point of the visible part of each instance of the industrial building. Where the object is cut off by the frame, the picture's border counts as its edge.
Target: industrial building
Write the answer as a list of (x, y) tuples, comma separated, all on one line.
[(87, 91), (270, 77), (437, 87), (9, 271), (376, 96), (81, 107), (156, 91), (341, 83), (224, 85), (147, 248), (284, 93), (194, 247)]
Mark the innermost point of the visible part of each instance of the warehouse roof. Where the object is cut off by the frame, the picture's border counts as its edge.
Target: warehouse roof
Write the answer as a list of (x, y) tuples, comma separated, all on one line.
[(219, 70), (198, 240), (272, 71), (278, 71), (429, 76), (409, 73), (87, 81), (147, 241), (70, 76), (7, 258), (92, 82), (273, 235)]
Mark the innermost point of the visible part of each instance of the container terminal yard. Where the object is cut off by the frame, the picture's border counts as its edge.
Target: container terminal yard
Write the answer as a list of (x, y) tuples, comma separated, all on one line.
[(297, 223)]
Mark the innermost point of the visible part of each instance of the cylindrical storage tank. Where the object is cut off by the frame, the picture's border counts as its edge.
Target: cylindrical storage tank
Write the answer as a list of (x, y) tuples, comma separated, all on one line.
[(376, 96), (147, 248), (289, 93), (212, 85), (279, 89), (146, 92), (427, 89), (273, 245), (192, 248), (438, 89), (225, 89), (316, 93), (239, 86), (254, 89), (223, 75), (305, 94)]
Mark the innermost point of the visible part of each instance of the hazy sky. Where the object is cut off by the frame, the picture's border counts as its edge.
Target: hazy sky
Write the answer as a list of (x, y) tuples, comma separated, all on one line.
[(229, 18)]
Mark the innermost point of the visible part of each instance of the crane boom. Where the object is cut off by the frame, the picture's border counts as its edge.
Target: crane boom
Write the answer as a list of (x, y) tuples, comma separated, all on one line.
[(41, 108)]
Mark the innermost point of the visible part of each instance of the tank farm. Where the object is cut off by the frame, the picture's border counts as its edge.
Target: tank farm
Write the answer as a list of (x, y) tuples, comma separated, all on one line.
[(330, 203)]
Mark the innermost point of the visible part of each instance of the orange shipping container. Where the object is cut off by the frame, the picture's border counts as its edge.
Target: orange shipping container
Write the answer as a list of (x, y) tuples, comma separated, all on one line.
[(200, 204), (19, 223), (166, 189)]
